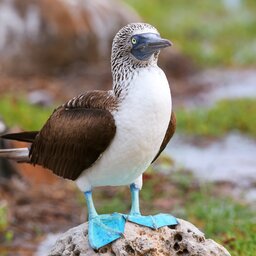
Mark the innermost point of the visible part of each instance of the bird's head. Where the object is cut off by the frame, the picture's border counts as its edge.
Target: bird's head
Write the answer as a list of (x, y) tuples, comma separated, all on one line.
[(138, 45)]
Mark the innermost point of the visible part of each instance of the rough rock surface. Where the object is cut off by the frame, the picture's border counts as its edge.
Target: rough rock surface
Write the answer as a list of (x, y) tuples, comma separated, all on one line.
[(183, 240), (45, 36)]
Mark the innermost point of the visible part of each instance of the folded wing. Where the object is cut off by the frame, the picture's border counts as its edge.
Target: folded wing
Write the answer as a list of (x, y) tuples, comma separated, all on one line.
[(74, 136)]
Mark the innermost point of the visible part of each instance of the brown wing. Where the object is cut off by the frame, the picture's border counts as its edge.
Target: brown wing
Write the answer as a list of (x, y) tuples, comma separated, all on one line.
[(72, 139), (169, 133)]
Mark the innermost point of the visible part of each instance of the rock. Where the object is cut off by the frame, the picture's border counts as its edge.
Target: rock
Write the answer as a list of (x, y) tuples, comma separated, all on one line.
[(184, 239), (41, 97), (45, 36)]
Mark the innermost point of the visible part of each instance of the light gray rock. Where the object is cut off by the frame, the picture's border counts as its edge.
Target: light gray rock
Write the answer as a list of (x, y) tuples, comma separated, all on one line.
[(45, 36), (183, 240)]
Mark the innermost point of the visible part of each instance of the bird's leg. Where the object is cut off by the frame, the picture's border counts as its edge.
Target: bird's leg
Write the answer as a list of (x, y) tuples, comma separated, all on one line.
[(155, 221), (135, 209), (90, 205), (135, 215), (105, 228)]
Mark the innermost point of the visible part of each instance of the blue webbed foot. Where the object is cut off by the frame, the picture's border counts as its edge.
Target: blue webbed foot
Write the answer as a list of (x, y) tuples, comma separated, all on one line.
[(154, 222), (106, 228)]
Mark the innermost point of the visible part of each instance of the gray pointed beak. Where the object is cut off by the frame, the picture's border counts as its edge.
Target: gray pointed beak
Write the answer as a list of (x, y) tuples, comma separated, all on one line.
[(158, 43), (147, 44)]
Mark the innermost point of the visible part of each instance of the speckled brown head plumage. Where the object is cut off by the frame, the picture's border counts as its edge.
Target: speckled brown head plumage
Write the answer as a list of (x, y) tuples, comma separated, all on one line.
[(135, 46)]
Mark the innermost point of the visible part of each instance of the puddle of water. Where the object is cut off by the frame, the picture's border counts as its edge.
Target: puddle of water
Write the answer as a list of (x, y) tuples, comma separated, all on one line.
[(234, 84), (231, 159), (224, 84)]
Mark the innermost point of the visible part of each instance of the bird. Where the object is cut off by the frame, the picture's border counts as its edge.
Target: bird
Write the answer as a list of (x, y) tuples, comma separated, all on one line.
[(109, 138)]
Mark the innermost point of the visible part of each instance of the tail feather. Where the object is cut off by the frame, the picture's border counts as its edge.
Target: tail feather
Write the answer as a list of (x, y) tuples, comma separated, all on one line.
[(17, 154), (21, 136)]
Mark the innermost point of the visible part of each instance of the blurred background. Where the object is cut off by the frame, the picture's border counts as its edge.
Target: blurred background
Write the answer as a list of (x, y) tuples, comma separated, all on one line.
[(53, 50)]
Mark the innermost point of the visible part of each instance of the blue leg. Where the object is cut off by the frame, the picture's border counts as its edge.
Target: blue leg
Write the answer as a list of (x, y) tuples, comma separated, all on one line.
[(156, 221), (105, 228)]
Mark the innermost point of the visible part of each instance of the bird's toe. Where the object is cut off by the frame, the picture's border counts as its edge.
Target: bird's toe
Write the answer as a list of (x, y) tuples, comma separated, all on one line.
[(154, 222), (104, 229)]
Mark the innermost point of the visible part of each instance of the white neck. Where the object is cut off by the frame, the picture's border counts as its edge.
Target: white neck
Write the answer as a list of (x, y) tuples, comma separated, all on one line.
[(124, 69)]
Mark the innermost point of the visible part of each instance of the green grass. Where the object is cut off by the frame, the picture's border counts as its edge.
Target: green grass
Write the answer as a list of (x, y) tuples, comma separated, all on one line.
[(205, 30), (3, 216), (17, 112), (225, 116), (231, 224), (5, 234), (227, 221)]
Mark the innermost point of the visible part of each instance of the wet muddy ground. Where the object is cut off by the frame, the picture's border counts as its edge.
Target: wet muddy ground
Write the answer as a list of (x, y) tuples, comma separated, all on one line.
[(213, 85), (229, 159)]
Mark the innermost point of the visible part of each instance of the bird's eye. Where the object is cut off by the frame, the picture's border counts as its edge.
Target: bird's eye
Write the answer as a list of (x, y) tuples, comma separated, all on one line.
[(134, 41)]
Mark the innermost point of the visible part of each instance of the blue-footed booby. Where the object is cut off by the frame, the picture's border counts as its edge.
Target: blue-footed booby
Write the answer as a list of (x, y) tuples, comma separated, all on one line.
[(109, 138)]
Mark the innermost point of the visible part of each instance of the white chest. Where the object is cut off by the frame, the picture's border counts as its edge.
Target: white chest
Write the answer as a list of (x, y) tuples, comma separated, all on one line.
[(141, 120), (145, 113)]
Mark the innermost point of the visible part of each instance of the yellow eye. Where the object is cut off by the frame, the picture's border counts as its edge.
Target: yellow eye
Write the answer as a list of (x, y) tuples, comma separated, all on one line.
[(134, 41)]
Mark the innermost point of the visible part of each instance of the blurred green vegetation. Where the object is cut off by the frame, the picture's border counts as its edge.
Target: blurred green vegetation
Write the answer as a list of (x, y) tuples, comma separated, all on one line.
[(231, 223), (5, 234), (18, 112), (3, 216), (208, 31), (225, 116)]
